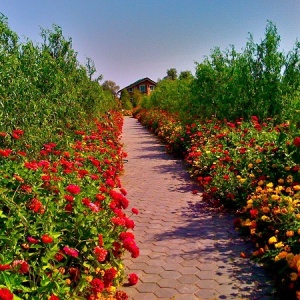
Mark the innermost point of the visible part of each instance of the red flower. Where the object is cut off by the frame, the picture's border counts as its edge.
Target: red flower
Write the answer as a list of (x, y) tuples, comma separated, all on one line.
[(6, 294), (70, 251), (97, 285), (32, 240), (100, 253), (297, 141), (59, 256), (4, 267), (47, 239), (134, 211), (35, 205), (5, 152), (109, 276), (69, 198), (53, 297), (73, 189), (22, 266), (133, 279)]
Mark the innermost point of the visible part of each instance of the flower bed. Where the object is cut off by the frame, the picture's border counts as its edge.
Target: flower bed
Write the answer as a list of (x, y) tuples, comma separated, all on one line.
[(251, 168), (64, 228)]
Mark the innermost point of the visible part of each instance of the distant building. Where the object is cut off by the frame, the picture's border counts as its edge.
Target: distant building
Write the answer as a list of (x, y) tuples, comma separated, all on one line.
[(145, 86)]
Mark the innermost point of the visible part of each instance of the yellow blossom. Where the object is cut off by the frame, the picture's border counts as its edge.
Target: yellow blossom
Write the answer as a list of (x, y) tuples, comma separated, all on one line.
[(280, 180), (287, 168), (251, 175), (258, 161), (250, 166), (279, 245), (269, 185), (238, 177), (89, 278), (272, 240), (265, 218), (275, 197), (261, 182), (298, 216), (296, 187), (242, 180)]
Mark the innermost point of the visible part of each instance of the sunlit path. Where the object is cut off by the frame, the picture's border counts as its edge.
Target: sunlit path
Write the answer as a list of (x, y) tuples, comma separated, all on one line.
[(186, 251)]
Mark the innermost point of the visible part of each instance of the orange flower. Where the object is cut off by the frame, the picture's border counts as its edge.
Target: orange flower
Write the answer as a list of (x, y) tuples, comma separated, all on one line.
[(290, 233)]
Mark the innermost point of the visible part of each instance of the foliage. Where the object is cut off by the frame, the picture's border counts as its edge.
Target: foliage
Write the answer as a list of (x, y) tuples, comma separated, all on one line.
[(62, 210), (260, 80), (44, 88)]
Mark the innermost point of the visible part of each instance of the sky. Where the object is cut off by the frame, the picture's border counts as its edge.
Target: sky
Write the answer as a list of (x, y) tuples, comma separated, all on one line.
[(132, 39)]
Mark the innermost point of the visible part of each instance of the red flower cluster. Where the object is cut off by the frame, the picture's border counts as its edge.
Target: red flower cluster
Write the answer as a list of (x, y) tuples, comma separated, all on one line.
[(73, 189), (6, 294)]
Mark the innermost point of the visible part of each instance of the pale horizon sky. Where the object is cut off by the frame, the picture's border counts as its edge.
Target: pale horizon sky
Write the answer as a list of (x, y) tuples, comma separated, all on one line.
[(132, 39)]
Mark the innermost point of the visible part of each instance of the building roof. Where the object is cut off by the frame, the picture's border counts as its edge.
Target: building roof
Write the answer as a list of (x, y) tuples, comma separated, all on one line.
[(137, 82)]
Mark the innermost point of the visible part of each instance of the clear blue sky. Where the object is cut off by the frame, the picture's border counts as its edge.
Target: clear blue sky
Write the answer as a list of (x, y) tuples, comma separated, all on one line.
[(132, 39)]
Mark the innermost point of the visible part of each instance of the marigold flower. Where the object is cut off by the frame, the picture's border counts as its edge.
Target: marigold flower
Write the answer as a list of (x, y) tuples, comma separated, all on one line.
[(290, 233), (279, 245), (293, 276), (272, 240)]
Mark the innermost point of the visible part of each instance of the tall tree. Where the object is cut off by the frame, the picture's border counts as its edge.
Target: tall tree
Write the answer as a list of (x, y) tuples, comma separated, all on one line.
[(110, 86), (172, 74)]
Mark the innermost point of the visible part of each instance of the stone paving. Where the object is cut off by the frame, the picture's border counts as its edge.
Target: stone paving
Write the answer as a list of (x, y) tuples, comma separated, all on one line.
[(187, 250)]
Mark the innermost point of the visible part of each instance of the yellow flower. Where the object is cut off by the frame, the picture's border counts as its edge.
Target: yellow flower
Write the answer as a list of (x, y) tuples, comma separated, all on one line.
[(287, 168), (265, 218), (242, 180), (280, 181), (269, 185), (290, 179), (251, 175), (275, 197), (258, 161), (279, 245), (250, 166), (296, 187), (238, 177), (89, 278), (272, 240)]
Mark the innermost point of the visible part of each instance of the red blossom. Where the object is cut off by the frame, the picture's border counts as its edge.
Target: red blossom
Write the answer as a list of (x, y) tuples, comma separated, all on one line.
[(97, 285), (73, 189), (133, 279), (100, 253), (53, 297), (47, 239), (70, 251), (5, 152), (297, 141), (4, 267), (32, 240), (134, 211), (21, 265), (6, 294)]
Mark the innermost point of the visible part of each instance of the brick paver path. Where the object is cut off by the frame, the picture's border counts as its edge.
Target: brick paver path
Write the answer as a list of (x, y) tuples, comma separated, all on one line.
[(187, 251)]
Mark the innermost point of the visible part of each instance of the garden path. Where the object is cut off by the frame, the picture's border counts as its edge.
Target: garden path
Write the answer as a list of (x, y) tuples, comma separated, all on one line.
[(187, 250)]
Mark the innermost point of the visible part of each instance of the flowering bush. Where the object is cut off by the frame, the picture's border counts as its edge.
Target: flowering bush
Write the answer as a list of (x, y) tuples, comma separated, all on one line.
[(63, 221), (253, 168)]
